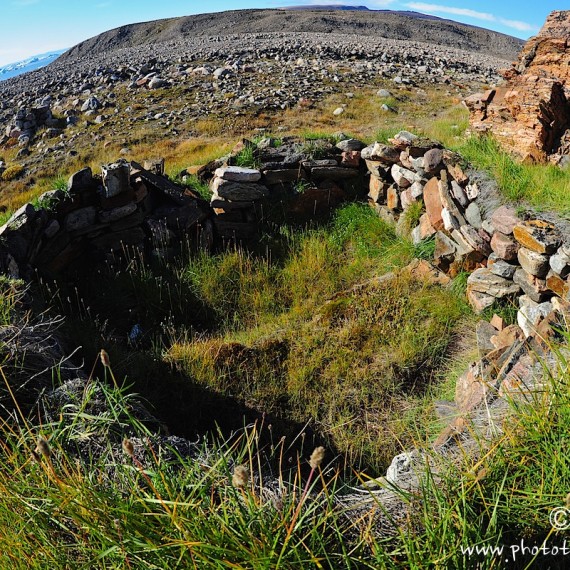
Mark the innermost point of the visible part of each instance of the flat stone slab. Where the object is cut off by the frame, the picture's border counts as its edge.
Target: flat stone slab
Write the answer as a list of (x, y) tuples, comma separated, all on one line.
[(238, 174), (483, 281), (238, 191)]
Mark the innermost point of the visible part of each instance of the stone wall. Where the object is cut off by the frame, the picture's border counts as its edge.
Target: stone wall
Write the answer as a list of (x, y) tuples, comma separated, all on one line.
[(427, 191), (130, 207)]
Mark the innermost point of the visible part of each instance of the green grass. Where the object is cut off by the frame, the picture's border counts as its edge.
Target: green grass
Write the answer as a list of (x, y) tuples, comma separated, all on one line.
[(310, 335), (11, 294), (112, 510), (246, 157), (141, 510), (546, 187), (198, 186)]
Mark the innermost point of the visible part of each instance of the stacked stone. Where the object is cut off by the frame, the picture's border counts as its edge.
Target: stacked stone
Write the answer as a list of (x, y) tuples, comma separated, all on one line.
[(312, 181), (26, 122), (100, 218), (235, 192), (511, 259)]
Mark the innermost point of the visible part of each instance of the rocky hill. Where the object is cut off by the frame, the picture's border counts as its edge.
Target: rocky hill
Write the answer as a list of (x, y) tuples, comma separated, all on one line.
[(407, 26)]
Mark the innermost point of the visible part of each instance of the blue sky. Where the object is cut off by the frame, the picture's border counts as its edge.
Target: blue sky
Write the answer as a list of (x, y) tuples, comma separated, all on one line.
[(29, 27)]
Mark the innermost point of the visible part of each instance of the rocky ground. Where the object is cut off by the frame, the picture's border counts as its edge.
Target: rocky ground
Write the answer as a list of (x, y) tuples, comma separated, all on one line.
[(170, 86)]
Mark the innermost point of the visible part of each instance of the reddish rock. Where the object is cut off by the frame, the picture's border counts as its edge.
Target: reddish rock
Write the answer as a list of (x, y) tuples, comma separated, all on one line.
[(422, 270), (433, 159), (504, 246), (504, 219), (472, 388), (351, 159), (476, 240), (519, 380), (407, 199), (507, 336), (530, 115), (377, 189), (498, 322), (479, 301), (426, 229), (393, 198), (434, 206)]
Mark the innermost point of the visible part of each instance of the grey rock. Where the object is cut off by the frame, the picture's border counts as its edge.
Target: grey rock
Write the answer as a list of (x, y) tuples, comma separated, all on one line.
[(350, 145), (381, 153), (238, 191), (534, 287), (503, 269), (417, 189), (108, 216), (157, 83), (116, 178), (400, 466), (450, 222), (536, 264), (484, 331), (333, 173), (483, 281), (19, 219), (80, 219), (92, 104), (560, 263), (51, 229), (433, 159), (238, 174), (530, 313), (405, 137), (473, 216), (403, 177)]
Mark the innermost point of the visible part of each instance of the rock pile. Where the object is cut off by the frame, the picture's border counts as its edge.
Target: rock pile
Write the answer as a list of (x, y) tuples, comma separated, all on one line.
[(235, 192), (128, 207), (136, 207), (511, 258), (27, 121), (530, 115), (295, 180)]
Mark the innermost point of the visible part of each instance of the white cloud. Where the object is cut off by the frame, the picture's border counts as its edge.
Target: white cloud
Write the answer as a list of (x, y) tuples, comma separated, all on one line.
[(485, 16), (518, 25)]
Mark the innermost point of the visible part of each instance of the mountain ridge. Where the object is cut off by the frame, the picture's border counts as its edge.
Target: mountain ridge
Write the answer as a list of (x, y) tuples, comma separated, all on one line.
[(385, 24), (31, 63)]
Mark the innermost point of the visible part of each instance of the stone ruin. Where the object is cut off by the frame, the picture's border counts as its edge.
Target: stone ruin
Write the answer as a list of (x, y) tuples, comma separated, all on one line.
[(130, 208), (530, 114), (511, 257)]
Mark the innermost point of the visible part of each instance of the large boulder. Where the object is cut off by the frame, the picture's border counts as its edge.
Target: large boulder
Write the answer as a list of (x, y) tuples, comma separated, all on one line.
[(530, 115)]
